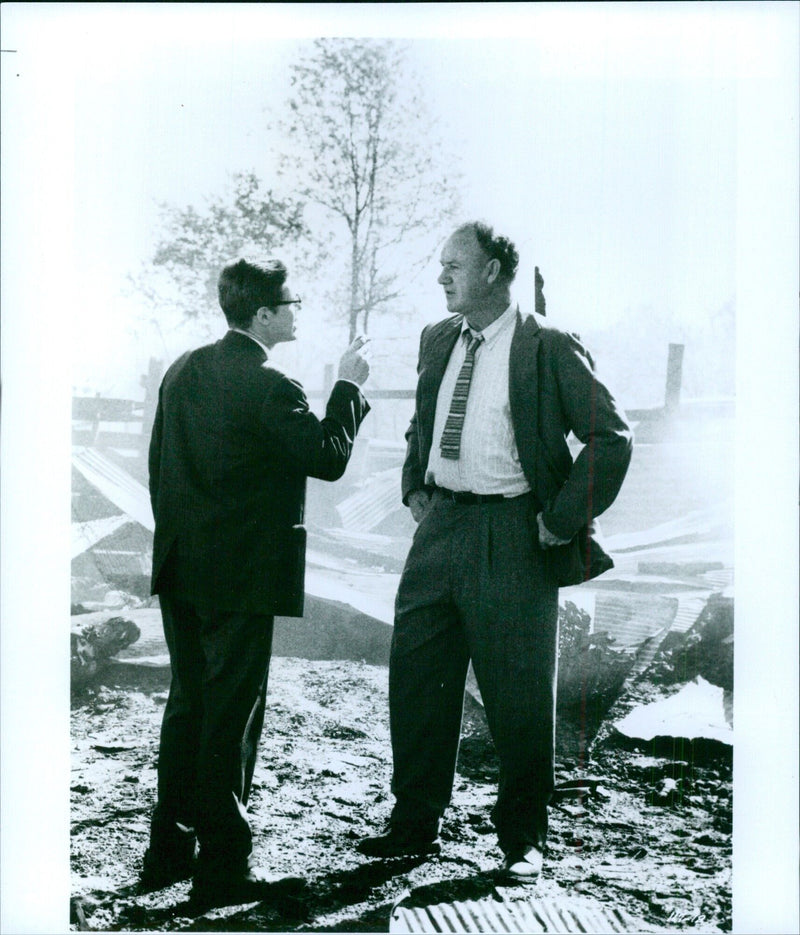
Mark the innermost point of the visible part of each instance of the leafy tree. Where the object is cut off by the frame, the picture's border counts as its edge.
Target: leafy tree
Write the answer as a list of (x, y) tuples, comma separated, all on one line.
[(361, 159), (358, 145), (195, 244)]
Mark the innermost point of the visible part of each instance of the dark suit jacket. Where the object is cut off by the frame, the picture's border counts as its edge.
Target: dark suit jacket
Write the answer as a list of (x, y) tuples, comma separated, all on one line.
[(232, 444), (552, 391)]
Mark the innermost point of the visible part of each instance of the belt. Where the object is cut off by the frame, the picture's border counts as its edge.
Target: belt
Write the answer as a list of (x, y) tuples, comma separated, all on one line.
[(466, 496)]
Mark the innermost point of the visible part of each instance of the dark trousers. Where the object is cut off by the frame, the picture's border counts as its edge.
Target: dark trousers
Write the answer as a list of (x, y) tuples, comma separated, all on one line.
[(475, 586), (210, 730)]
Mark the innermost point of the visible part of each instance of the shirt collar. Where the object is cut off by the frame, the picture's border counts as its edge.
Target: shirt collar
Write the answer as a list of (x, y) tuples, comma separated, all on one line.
[(247, 334), (491, 332)]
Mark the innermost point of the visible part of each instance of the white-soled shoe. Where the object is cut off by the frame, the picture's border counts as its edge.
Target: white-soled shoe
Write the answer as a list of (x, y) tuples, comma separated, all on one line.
[(523, 866)]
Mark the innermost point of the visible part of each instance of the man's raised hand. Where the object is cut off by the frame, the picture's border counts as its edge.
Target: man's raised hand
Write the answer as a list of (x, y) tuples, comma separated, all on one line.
[(354, 365)]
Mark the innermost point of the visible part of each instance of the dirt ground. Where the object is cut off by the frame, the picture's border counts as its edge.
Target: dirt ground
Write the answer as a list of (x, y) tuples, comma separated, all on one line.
[(652, 839)]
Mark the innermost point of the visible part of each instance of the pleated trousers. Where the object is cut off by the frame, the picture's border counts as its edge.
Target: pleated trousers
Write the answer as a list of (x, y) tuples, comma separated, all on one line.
[(475, 586), (210, 730)]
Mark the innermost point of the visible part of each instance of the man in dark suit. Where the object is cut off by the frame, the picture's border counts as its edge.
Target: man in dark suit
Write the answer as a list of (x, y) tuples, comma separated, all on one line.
[(232, 445), (489, 479)]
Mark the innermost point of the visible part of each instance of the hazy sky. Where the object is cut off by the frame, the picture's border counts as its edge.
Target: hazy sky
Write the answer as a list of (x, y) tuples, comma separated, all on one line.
[(616, 175), (644, 155), (603, 139)]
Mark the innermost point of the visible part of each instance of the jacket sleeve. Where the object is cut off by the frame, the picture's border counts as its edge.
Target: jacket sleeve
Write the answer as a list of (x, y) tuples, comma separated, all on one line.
[(314, 447), (592, 414)]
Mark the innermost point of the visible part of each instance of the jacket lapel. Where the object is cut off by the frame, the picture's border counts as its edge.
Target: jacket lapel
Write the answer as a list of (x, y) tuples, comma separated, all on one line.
[(433, 362), (440, 346), (523, 392)]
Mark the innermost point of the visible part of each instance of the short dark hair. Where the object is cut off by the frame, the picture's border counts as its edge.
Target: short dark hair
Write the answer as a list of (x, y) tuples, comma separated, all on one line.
[(245, 286), (495, 247)]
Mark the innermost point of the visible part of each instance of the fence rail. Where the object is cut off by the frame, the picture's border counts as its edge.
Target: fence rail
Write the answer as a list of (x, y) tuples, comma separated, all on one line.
[(93, 416)]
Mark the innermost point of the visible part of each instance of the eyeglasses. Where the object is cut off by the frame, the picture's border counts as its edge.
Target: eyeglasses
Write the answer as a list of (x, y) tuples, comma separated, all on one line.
[(297, 301)]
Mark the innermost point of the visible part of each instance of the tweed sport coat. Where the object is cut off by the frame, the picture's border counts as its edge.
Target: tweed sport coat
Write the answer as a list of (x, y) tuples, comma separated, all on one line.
[(232, 445), (552, 391)]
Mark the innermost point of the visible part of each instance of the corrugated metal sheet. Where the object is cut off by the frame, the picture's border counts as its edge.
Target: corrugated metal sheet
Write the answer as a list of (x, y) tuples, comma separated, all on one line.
[(531, 915), (689, 609), (633, 618), (373, 502), (124, 553), (116, 484), (645, 655), (690, 525), (113, 563), (85, 535), (719, 579)]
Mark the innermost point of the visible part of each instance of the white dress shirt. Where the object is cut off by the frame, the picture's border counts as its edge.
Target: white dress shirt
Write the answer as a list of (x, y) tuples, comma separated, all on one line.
[(489, 461)]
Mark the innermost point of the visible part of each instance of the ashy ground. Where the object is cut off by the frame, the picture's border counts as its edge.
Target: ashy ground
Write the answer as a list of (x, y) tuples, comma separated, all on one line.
[(652, 837)]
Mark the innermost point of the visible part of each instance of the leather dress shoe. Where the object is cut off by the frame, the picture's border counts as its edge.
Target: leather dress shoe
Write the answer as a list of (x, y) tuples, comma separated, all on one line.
[(401, 841), (161, 868), (523, 865), (250, 885)]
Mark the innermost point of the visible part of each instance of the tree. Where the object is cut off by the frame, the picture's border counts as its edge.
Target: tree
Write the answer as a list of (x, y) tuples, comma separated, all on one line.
[(358, 145), (196, 244), (362, 161)]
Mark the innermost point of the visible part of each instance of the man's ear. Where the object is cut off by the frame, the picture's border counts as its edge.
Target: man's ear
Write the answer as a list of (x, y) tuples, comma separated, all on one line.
[(494, 270), (265, 314)]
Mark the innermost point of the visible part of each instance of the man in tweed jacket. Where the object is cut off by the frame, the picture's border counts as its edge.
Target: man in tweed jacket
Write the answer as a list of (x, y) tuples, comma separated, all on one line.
[(481, 578)]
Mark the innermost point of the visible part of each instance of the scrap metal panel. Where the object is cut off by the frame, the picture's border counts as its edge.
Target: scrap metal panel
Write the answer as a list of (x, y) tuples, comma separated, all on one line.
[(633, 618), (532, 915), (116, 484), (372, 503)]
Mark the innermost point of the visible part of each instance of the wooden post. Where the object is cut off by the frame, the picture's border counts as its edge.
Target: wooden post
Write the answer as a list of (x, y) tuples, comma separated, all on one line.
[(672, 395)]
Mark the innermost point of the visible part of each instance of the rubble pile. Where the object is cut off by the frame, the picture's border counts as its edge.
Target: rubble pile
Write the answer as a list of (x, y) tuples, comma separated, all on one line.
[(94, 642), (591, 672), (705, 650)]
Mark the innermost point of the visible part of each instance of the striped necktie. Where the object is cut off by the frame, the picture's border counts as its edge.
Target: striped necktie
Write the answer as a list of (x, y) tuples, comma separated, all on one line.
[(450, 444)]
